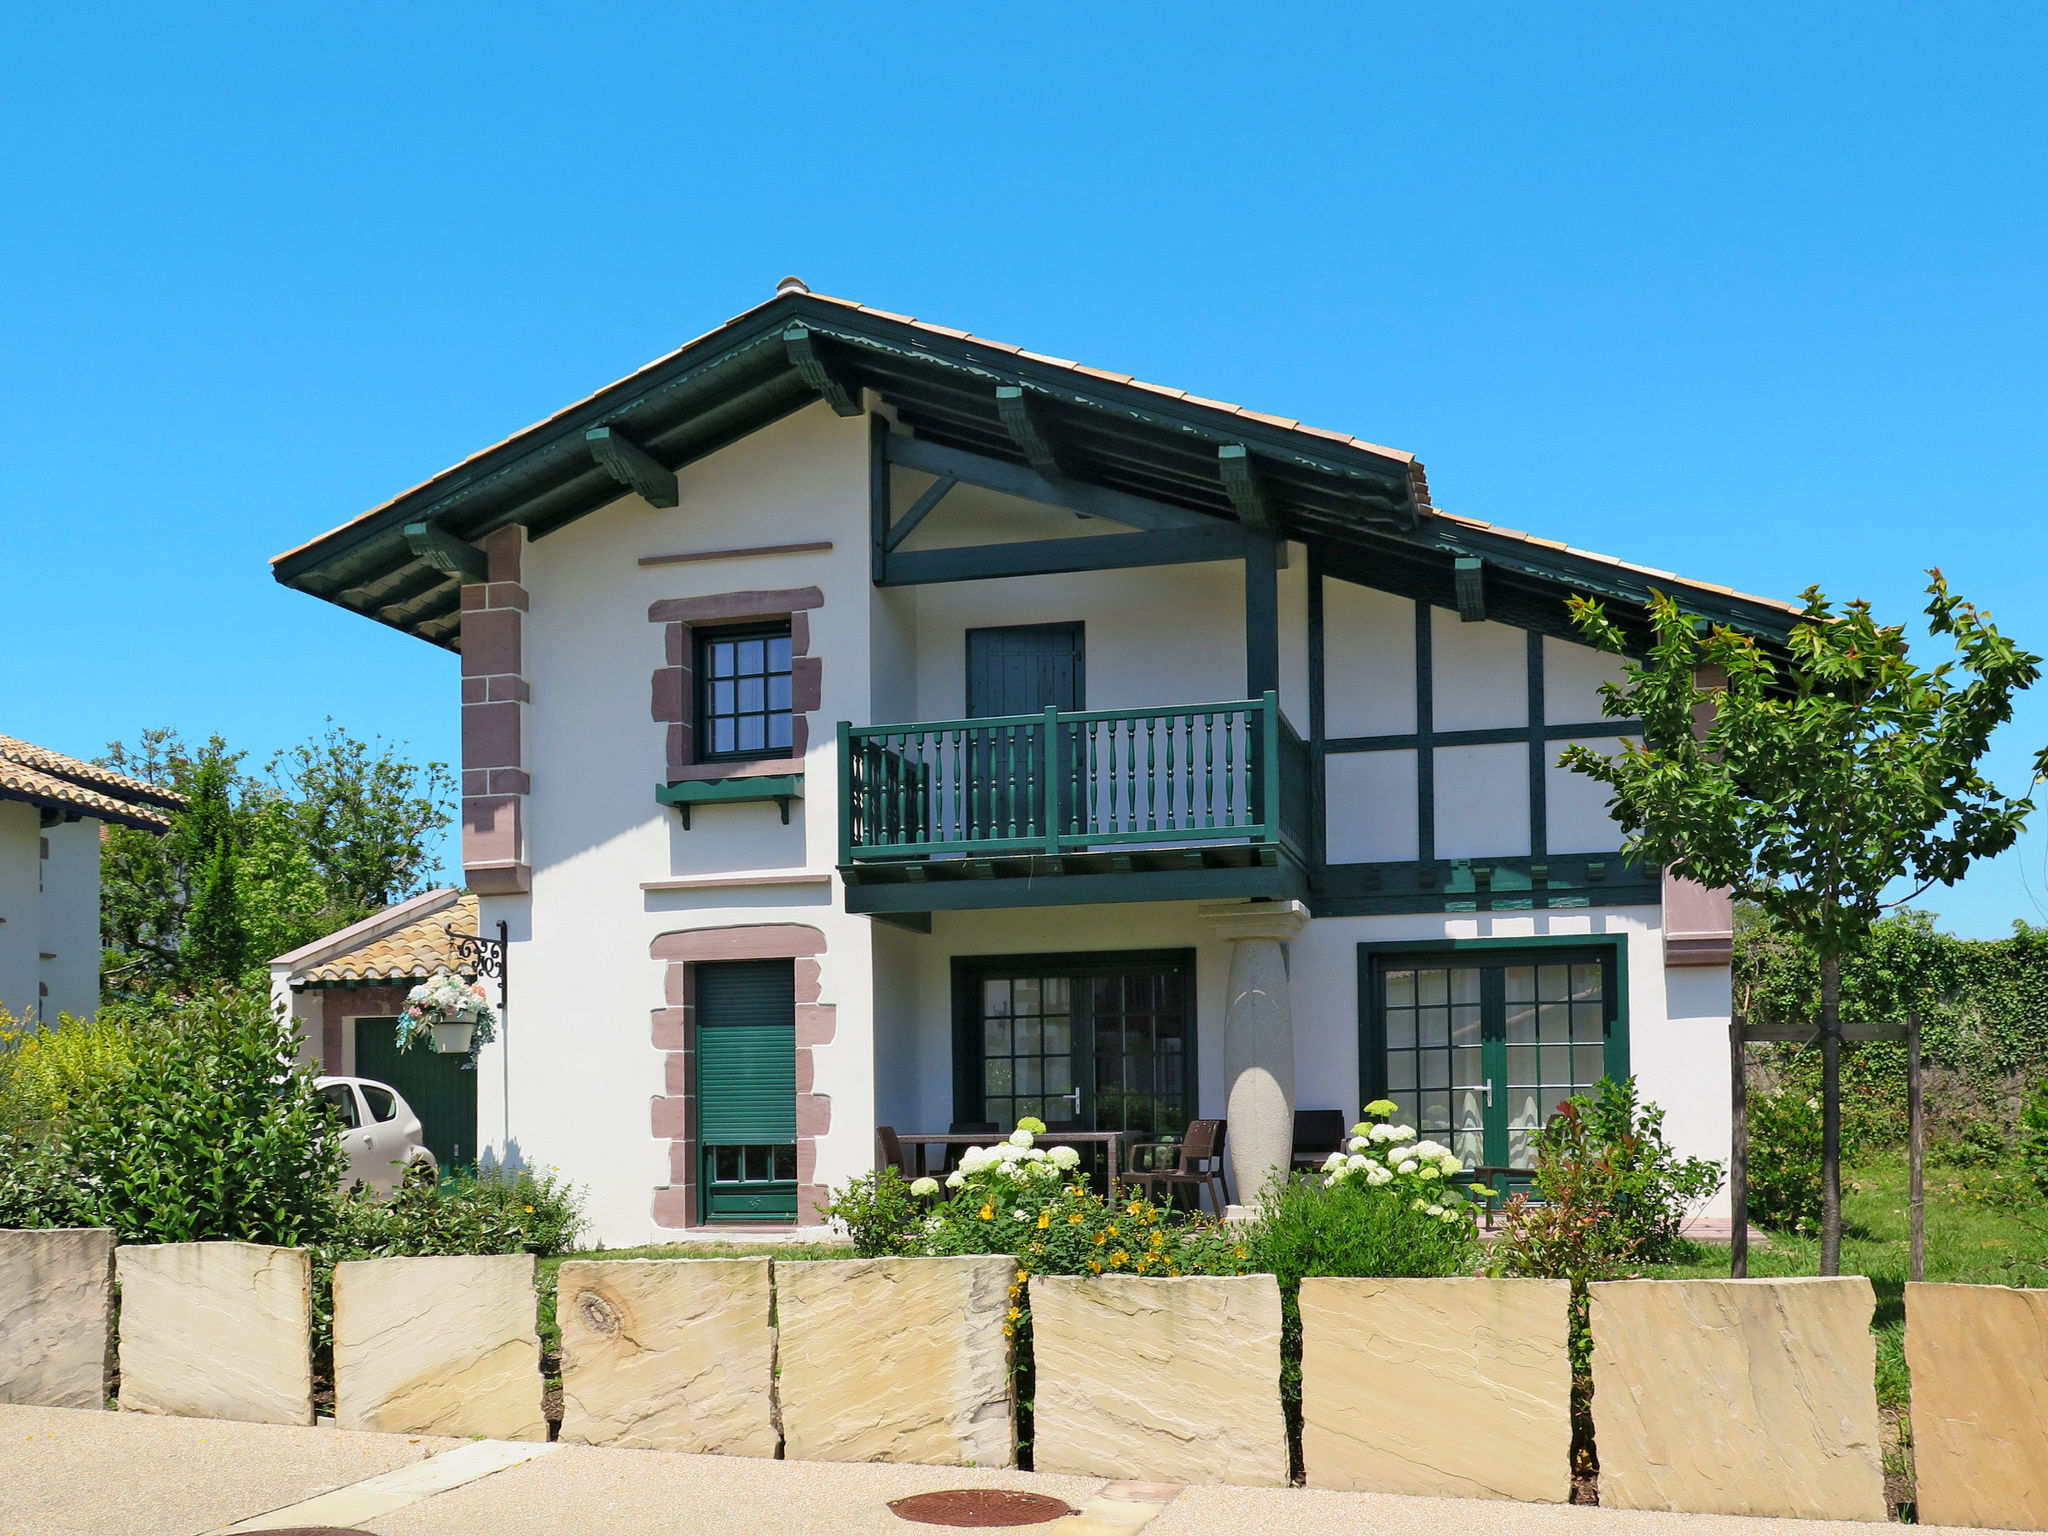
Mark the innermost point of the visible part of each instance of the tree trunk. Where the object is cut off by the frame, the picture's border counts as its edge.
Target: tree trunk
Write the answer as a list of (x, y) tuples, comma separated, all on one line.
[(1830, 1115), (1738, 1151)]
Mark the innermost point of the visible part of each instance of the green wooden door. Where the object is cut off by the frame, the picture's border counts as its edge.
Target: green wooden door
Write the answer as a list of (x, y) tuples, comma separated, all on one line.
[(1019, 669), (440, 1089), (746, 1088)]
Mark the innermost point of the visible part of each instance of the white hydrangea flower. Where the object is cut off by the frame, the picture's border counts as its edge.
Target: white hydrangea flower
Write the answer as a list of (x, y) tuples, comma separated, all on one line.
[(1430, 1149), (1449, 1216), (955, 1179), (1407, 1165), (974, 1159), (1431, 1172), (1354, 1162), (1360, 1143), (1433, 1210), (1065, 1157), (924, 1187), (1451, 1164), (1404, 1133), (1020, 1216), (1383, 1133), (1377, 1175), (1333, 1162), (1418, 1204), (1020, 1137)]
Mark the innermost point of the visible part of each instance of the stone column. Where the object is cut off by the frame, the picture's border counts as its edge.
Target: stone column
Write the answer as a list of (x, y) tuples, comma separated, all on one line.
[(1258, 1039)]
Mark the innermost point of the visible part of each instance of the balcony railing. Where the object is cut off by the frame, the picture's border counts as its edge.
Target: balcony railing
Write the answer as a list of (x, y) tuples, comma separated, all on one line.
[(1072, 781)]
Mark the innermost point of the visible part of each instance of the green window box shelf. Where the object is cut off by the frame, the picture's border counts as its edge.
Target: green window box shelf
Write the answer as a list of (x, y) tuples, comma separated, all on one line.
[(687, 795)]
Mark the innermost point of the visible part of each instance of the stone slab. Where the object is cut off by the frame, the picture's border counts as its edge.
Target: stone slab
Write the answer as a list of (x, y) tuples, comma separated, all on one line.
[(1172, 1380), (1979, 1360), (1738, 1397), (56, 1316), (1457, 1388), (217, 1331), (900, 1360), (443, 1345), (668, 1354)]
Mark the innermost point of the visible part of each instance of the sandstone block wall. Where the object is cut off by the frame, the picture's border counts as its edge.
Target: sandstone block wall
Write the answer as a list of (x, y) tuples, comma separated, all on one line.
[(1171, 1380), (1438, 1388), (56, 1316), (440, 1346), (668, 1354), (899, 1360), (217, 1331), (1979, 1358), (1738, 1397)]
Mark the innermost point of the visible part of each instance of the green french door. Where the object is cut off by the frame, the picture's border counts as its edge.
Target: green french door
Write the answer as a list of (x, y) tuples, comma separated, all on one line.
[(1477, 1050), (746, 1088), (1018, 669), (440, 1089), (1087, 1041)]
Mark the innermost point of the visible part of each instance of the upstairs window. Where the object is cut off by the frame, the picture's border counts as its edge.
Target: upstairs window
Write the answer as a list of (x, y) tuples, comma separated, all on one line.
[(744, 692)]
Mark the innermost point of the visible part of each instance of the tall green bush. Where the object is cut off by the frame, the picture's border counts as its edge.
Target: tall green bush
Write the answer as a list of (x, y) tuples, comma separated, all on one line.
[(1784, 1162)]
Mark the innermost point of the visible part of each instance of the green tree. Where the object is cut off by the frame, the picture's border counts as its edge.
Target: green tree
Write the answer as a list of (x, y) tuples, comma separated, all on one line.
[(331, 831), (1821, 776)]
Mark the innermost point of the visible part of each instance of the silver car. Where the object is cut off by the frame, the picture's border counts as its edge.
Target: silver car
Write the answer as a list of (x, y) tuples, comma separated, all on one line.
[(379, 1130)]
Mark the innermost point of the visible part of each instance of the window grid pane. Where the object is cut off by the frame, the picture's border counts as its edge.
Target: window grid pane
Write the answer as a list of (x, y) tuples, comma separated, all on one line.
[(1434, 1072), (747, 692), (1556, 1030)]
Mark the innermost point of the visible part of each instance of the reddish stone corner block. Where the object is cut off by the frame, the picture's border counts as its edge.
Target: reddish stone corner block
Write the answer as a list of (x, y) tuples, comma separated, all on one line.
[(494, 699), (1699, 924), (673, 1029)]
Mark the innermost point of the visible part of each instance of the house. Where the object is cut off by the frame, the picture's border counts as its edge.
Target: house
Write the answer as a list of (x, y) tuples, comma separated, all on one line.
[(52, 810), (346, 991), (868, 723)]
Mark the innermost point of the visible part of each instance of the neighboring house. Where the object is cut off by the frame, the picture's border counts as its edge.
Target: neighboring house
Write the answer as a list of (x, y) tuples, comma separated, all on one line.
[(346, 991), (52, 810), (867, 723)]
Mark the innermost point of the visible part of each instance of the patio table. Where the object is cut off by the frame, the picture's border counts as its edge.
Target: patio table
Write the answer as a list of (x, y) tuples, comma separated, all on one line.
[(916, 1143)]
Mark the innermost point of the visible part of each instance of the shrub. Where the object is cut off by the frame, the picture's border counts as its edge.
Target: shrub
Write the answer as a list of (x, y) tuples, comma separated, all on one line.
[(879, 1212), (1784, 1163), (211, 1133)]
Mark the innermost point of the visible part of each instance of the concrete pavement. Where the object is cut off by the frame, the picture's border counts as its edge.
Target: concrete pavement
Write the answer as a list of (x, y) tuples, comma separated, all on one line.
[(70, 1473)]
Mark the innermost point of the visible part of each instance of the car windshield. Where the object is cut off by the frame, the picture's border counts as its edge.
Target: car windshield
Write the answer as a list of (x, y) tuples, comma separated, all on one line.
[(382, 1101), (343, 1101)]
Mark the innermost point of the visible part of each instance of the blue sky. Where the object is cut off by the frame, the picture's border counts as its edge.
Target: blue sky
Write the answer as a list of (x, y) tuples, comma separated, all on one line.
[(1749, 292)]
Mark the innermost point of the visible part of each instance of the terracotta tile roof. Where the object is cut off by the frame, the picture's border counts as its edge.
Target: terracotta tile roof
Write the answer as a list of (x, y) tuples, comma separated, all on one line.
[(42, 777), (412, 953), (1418, 479)]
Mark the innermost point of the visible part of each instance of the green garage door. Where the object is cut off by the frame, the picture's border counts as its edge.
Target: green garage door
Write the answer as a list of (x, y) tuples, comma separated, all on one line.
[(440, 1089), (746, 1088)]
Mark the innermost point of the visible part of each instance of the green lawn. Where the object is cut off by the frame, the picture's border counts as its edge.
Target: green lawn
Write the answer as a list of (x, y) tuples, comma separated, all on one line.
[(1977, 1244)]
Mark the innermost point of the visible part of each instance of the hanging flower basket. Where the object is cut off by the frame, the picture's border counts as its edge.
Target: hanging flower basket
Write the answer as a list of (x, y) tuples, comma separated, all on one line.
[(449, 1015)]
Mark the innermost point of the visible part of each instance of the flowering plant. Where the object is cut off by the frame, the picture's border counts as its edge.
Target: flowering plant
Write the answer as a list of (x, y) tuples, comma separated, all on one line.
[(446, 999), (1382, 1155)]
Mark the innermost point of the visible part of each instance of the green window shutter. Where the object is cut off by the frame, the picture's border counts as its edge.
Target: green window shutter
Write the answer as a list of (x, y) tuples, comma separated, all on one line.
[(746, 1052)]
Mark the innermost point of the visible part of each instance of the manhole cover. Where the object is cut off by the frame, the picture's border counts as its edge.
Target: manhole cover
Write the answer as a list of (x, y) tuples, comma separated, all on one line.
[(980, 1506)]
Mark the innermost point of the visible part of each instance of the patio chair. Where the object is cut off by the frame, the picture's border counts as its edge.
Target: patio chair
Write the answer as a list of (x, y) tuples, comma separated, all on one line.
[(889, 1151), (1199, 1165), (1317, 1133)]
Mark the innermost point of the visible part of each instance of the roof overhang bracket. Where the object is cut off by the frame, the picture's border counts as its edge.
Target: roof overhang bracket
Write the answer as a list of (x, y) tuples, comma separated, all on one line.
[(444, 552), (920, 510), (804, 358), (633, 466), (1469, 576), (1028, 485), (1021, 419), (1247, 491)]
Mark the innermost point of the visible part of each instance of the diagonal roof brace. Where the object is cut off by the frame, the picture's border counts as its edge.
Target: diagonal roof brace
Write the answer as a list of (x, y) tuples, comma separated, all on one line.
[(1247, 491), (446, 553), (633, 466), (802, 347)]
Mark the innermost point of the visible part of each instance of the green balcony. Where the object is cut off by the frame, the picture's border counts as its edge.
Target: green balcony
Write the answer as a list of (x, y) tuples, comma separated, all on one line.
[(1068, 806)]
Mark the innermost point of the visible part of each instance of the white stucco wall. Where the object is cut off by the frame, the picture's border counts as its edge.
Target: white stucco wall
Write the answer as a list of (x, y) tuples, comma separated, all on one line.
[(70, 941), (20, 907)]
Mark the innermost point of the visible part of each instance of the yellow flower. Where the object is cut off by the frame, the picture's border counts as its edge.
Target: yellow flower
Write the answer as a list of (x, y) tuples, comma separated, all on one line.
[(1096, 1265), (1075, 1219), (1110, 1229), (1158, 1239), (1239, 1252), (529, 1208), (1173, 1269), (1100, 1239), (1119, 1257), (1014, 1290), (1014, 1313), (988, 1213), (1008, 1331), (1135, 1207), (1023, 1275), (1044, 1220)]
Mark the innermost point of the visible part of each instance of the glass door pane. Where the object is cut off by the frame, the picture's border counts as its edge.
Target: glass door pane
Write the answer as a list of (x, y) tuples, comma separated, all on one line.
[(1027, 1050), (1142, 1077), (1435, 1071), (1555, 1026)]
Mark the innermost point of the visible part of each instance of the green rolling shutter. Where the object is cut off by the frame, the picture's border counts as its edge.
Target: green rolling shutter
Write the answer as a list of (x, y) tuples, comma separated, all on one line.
[(746, 1087)]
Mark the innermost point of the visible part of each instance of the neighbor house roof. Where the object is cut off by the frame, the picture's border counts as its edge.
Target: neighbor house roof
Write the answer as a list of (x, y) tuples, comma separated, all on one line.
[(408, 941), (55, 782), (1365, 508)]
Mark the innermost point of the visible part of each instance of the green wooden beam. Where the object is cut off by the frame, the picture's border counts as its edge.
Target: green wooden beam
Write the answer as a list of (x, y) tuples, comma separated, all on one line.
[(1027, 430), (1045, 557), (1247, 491), (920, 510), (1027, 484), (803, 356), (1469, 576), (1285, 880), (444, 552), (780, 788), (633, 466)]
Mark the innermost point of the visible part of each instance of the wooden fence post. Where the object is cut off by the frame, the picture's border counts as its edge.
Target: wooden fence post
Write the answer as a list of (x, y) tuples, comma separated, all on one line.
[(1916, 1152)]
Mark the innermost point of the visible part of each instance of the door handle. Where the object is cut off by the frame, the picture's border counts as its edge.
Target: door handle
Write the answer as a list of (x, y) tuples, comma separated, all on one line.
[(1073, 1098)]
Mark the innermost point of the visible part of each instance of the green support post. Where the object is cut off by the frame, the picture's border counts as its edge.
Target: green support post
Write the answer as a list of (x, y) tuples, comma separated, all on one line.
[(1052, 782)]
